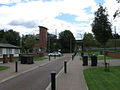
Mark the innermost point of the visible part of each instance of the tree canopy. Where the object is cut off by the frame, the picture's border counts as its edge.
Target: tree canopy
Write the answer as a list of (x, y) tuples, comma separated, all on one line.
[(28, 42), (101, 27), (10, 36), (67, 41), (117, 12), (88, 40)]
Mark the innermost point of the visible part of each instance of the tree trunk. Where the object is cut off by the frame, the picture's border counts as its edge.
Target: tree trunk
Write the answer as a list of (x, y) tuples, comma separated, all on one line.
[(106, 64)]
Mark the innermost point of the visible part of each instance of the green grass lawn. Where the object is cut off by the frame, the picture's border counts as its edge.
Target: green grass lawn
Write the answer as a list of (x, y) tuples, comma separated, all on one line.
[(98, 79), (39, 58), (107, 57), (102, 58), (3, 68)]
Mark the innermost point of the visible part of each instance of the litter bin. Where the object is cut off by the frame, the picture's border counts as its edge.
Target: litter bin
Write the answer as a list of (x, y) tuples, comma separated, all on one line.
[(85, 60), (93, 60), (26, 59)]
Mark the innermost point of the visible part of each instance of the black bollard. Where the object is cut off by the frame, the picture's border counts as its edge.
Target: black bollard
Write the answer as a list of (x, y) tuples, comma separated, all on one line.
[(54, 56), (53, 80), (72, 57), (16, 66), (49, 57), (65, 67)]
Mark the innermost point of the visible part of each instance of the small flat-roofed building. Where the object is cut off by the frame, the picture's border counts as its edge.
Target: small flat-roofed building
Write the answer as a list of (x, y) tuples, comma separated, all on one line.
[(8, 51)]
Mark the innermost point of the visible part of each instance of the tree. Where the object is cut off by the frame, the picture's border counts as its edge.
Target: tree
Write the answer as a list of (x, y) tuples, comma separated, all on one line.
[(67, 41), (118, 1), (28, 42), (12, 37), (116, 36), (9, 36), (88, 40), (2, 37), (53, 43), (101, 27), (117, 12)]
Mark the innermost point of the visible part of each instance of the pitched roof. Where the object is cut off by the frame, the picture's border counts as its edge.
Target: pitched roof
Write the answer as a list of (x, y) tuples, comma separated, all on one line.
[(3, 45)]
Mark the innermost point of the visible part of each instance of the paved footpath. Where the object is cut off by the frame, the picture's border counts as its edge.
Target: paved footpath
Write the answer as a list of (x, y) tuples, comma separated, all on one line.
[(73, 79)]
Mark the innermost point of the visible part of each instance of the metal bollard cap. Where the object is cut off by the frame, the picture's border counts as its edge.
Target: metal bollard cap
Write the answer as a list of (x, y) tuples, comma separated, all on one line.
[(65, 61), (53, 72)]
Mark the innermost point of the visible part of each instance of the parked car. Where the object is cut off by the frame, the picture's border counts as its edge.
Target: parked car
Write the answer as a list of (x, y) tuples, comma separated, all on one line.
[(55, 54), (51, 54)]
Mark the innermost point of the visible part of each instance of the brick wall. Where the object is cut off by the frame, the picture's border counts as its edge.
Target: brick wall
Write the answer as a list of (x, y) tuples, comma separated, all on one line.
[(43, 37), (113, 54), (42, 44)]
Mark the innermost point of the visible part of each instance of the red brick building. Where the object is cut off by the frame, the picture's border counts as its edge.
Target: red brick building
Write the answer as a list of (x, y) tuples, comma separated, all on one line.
[(41, 46)]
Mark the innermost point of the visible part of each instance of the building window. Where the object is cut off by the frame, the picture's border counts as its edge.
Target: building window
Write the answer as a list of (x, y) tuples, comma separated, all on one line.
[(16, 51), (9, 51), (0, 50)]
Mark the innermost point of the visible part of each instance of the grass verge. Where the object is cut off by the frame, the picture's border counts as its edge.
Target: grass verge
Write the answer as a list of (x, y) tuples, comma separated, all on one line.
[(102, 58), (3, 68), (98, 79), (39, 58), (107, 57)]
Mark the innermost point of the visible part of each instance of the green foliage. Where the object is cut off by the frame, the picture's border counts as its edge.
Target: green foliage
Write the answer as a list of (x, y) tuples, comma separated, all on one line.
[(98, 79), (117, 12), (88, 40), (54, 45), (2, 37), (101, 27), (112, 42), (116, 36), (28, 42), (10, 36), (67, 41)]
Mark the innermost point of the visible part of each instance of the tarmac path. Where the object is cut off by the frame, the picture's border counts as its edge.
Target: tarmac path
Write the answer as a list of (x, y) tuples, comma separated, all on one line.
[(37, 79)]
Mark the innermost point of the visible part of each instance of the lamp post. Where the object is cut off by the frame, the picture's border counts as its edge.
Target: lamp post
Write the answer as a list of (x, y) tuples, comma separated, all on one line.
[(54, 46), (49, 44), (21, 40), (115, 36), (70, 45), (82, 47)]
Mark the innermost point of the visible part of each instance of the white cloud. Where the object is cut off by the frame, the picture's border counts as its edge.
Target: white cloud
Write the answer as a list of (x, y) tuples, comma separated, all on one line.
[(9, 1), (4, 1), (112, 6), (45, 13)]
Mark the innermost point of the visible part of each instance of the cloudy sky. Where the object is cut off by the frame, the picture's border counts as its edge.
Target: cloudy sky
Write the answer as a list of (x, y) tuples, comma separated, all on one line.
[(25, 16)]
